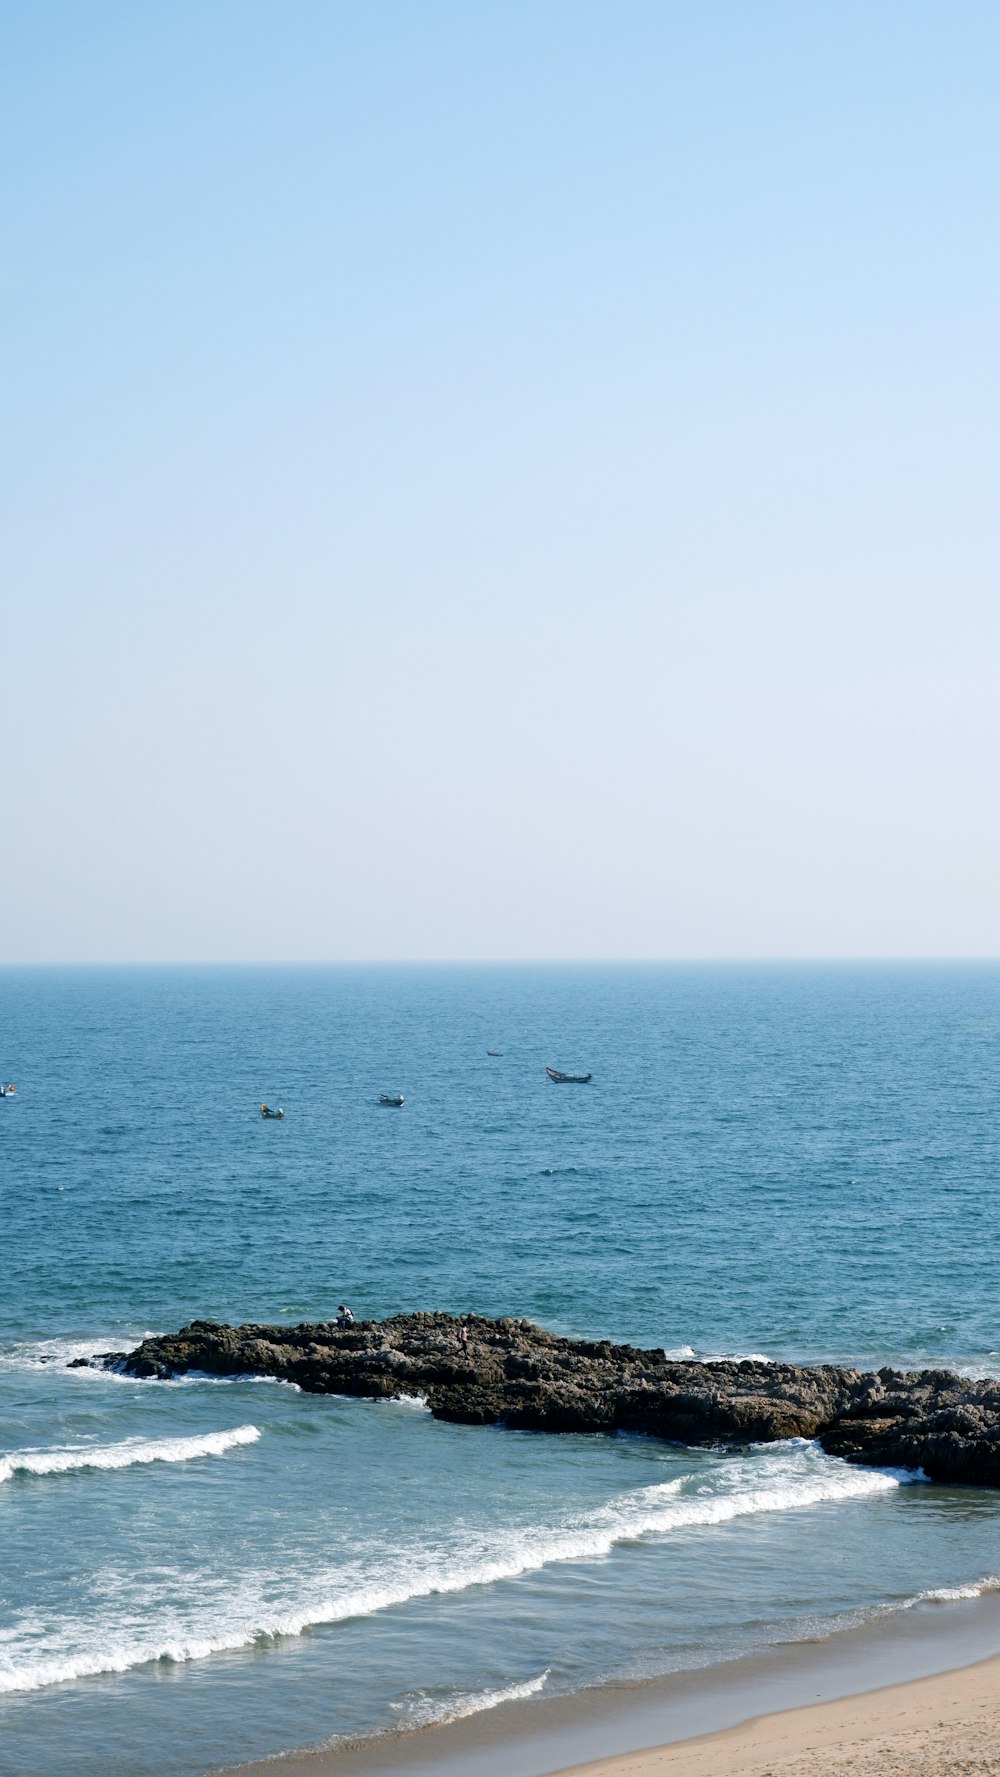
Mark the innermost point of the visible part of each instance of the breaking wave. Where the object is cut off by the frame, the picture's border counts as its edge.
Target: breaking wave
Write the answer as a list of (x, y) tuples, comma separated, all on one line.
[(798, 1477), (681, 1353), (954, 1594), (425, 1711), (55, 1355), (124, 1455)]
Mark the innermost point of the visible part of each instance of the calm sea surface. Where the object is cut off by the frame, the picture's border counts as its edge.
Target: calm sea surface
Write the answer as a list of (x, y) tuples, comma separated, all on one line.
[(791, 1161)]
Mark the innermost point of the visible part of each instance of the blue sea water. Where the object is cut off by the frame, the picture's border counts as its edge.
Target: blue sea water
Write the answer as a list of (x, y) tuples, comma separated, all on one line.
[(793, 1161)]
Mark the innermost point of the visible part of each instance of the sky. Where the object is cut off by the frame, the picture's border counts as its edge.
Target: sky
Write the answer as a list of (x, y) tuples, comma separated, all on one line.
[(498, 479)]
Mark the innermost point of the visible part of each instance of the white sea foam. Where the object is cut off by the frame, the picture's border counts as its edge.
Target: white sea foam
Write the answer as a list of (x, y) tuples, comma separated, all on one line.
[(124, 1455), (666, 1506), (54, 1357), (269, 1606), (954, 1594), (204, 1379), (55, 1354), (683, 1353), (737, 1357), (424, 1711)]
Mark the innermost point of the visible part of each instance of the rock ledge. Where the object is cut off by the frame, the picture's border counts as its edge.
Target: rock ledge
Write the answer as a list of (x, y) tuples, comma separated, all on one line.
[(516, 1374)]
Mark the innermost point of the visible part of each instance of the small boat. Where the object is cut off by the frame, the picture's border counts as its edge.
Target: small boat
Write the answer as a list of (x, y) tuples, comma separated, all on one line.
[(8, 1091), (393, 1098), (494, 1051), (568, 1079), (266, 1111)]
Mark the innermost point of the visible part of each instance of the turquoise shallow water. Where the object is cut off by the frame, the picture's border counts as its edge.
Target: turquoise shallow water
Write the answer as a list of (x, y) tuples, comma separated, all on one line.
[(792, 1161)]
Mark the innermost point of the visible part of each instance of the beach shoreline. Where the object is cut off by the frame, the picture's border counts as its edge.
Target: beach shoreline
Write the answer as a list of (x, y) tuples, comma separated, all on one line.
[(929, 1673), (946, 1723)]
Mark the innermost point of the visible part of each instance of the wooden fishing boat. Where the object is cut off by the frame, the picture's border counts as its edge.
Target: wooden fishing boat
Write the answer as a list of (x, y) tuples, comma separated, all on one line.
[(568, 1079)]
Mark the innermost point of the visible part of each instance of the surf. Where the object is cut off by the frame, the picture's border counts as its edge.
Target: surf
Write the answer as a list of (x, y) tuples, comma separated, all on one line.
[(130, 1453)]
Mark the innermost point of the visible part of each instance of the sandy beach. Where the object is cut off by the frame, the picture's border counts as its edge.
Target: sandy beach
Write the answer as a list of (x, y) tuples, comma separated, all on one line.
[(942, 1724), (946, 1726)]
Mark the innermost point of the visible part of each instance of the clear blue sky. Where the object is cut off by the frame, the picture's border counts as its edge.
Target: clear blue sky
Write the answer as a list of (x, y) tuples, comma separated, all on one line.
[(499, 479)]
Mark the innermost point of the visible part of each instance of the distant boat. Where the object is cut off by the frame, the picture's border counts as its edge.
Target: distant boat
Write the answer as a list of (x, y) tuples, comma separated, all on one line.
[(8, 1091), (568, 1079), (494, 1051), (266, 1111), (393, 1098)]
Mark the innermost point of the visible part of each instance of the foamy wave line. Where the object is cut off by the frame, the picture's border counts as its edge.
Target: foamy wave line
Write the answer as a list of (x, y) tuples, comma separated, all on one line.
[(685, 1353), (204, 1379), (46, 1672), (428, 1712), (423, 1711), (987, 1371), (652, 1510), (54, 1355), (245, 1618), (953, 1594), (124, 1455), (56, 1358)]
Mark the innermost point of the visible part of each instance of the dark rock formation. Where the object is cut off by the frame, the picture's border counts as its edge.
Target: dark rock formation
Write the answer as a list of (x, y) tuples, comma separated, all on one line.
[(516, 1374)]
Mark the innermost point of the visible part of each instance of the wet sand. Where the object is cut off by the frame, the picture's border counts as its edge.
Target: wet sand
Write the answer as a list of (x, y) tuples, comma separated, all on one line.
[(917, 1694), (947, 1726)]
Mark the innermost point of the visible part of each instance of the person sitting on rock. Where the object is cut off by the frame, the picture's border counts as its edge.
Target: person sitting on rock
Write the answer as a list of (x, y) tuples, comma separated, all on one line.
[(345, 1317)]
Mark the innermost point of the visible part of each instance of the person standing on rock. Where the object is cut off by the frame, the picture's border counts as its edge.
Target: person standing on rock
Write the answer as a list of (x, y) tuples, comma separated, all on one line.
[(463, 1340)]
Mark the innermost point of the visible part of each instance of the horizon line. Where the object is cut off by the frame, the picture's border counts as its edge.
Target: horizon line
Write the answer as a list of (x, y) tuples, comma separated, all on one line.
[(487, 962)]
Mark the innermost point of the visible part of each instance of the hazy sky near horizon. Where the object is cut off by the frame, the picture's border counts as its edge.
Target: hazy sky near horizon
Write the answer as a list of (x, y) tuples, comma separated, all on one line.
[(499, 479)]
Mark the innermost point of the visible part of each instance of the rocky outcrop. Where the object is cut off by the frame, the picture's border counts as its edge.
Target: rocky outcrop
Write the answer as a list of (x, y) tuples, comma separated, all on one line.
[(515, 1374)]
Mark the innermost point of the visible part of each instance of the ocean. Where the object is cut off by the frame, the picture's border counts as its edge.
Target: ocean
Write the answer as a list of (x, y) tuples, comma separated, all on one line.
[(790, 1161)]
